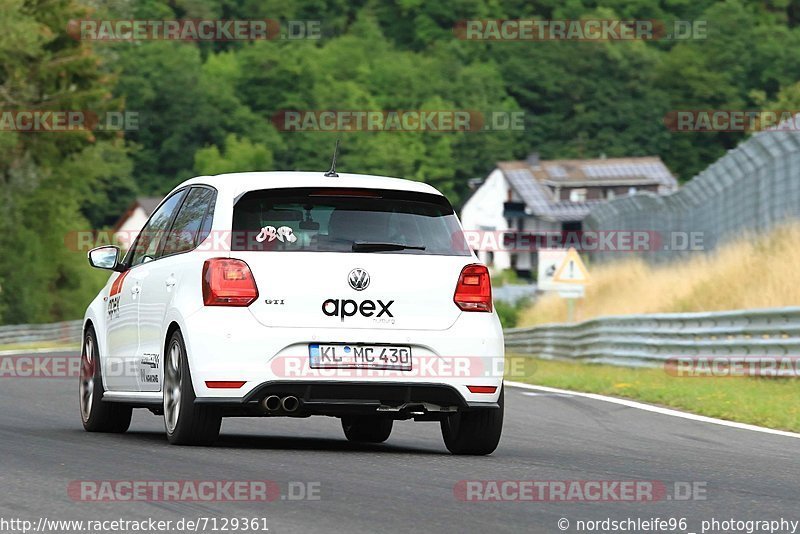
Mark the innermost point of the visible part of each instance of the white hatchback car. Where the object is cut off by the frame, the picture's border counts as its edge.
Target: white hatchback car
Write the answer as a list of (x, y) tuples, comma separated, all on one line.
[(297, 294)]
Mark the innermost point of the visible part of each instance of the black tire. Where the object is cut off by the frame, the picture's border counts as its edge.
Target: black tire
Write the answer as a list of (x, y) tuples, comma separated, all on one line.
[(96, 415), (192, 424), (474, 433), (367, 428)]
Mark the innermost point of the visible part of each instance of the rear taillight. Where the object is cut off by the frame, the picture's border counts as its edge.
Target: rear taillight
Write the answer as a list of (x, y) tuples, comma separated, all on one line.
[(228, 282), (226, 384), (482, 389), (474, 289)]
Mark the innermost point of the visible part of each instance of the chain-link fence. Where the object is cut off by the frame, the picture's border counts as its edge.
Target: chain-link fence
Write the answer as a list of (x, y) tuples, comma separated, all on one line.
[(751, 189)]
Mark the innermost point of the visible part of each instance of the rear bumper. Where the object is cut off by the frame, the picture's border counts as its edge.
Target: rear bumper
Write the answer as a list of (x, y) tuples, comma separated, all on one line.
[(229, 344), (391, 399)]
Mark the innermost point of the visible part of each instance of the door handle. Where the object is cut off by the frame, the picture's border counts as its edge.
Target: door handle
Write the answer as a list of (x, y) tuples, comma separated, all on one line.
[(135, 290), (171, 281)]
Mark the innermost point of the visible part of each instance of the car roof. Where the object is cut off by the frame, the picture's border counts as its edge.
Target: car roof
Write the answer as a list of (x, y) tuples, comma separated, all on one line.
[(234, 184)]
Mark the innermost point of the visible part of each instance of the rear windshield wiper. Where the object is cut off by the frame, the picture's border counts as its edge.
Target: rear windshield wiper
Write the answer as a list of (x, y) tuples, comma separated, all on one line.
[(381, 246)]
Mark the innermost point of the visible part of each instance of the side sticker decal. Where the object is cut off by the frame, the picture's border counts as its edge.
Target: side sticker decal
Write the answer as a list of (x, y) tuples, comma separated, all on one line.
[(114, 294)]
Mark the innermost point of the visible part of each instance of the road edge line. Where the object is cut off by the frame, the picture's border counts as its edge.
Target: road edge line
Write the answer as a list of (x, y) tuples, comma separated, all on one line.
[(656, 409)]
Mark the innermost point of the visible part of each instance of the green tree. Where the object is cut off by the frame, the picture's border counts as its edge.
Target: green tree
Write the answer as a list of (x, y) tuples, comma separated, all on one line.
[(44, 175), (239, 155)]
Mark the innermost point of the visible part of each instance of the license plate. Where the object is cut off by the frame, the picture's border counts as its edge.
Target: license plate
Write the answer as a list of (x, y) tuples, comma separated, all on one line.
[(344, 356)]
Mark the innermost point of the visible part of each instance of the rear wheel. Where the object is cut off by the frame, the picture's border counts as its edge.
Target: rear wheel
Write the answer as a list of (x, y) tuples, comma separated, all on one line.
[(476, 432), (186, 422), (367, 428), (98, 416)]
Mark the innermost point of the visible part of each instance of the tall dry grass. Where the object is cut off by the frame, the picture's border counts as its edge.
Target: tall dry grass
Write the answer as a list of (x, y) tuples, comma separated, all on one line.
[(752, 272)]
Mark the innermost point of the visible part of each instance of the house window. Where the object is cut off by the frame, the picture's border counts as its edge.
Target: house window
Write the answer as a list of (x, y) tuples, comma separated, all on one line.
[(577, 195), (610, 194), (631, 191)]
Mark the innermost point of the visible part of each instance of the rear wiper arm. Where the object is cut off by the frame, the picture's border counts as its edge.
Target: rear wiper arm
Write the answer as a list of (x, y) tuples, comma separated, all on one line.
[(380, 246)]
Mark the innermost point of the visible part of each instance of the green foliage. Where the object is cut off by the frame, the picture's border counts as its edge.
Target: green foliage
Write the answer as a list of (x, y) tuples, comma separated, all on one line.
[(240, 155), (48, 179), (506, 276), (207, 108), (509, 313)]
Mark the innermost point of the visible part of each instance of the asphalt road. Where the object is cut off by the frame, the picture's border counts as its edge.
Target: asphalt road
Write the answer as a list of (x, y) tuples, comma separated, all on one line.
[(404, 485)]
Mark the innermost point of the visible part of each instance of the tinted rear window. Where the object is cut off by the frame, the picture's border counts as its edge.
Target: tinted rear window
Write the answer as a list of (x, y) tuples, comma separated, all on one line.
[(333, 220)]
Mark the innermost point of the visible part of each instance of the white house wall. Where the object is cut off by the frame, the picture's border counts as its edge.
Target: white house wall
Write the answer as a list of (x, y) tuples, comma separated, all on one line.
[(131, 227), (525, 261), (484, 212)]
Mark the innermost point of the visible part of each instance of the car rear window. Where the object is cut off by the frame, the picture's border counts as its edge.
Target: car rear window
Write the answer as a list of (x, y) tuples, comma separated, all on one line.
[(346, 220)]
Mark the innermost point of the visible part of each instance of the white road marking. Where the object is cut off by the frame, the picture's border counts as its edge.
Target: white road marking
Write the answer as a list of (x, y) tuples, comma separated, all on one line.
[(532, 394), (655, 409)]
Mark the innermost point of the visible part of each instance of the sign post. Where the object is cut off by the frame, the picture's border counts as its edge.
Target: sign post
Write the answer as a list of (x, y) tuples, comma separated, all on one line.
[(563, 271)]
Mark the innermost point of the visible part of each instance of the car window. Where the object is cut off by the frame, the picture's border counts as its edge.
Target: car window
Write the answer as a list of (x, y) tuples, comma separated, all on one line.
[(205, 229), (339, 220), (153, 233), (183, 236)]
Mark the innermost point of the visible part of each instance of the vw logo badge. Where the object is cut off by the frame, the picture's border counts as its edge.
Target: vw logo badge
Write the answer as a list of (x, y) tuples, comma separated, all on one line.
[(358, 279)]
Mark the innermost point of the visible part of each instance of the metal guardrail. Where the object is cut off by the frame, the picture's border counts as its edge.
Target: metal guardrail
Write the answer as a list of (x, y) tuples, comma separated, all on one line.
[(650, 340), (66, 332), (628, 340)]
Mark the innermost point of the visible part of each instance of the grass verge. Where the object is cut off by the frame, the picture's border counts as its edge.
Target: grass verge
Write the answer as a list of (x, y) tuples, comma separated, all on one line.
[(720, 280), (769, 402), (40, 345)]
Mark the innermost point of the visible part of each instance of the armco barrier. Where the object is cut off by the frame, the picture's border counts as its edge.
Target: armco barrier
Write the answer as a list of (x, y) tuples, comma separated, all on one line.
[(64, 332), (631, 340), (649, 340)]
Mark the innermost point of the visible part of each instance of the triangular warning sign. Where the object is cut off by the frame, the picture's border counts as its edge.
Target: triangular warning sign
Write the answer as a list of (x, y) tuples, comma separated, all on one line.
[(572, 270)]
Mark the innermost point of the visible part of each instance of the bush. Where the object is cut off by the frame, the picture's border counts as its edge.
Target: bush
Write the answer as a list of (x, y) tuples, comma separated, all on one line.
[(506, 276), (509, 313)]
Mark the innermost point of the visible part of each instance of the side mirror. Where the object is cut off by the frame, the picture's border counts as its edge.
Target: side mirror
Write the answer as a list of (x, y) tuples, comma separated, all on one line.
[(106, 257)]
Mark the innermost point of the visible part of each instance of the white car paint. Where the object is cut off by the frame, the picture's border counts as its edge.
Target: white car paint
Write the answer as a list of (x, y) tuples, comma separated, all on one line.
[(244, 344)]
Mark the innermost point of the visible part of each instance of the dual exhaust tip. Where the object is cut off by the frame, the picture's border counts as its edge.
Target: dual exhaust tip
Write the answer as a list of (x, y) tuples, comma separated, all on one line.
[(274, 403)]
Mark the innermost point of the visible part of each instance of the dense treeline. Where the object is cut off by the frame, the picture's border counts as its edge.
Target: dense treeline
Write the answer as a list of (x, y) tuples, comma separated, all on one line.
[(207, 107)]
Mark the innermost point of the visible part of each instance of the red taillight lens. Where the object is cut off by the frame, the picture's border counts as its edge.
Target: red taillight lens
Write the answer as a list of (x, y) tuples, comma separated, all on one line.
[(482, 389), (224, 384), (474, 289), (228, 283)]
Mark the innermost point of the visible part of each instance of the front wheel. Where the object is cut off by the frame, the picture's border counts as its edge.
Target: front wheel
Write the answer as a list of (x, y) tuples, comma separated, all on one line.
[(474, 433), (186, 423), (98, 416), (367, 428)]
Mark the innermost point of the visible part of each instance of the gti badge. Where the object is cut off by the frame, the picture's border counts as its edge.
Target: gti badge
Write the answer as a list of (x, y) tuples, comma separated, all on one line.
[(358, 279)]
